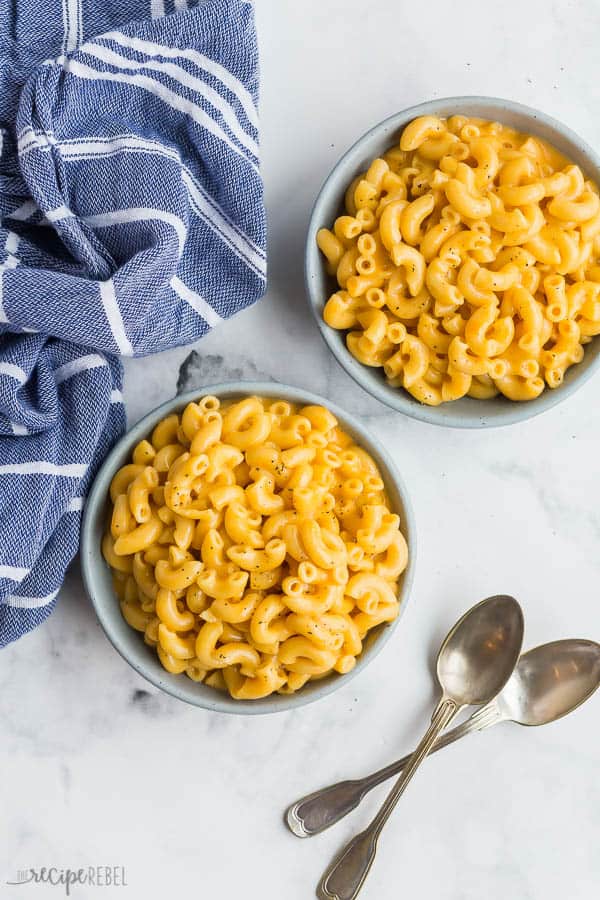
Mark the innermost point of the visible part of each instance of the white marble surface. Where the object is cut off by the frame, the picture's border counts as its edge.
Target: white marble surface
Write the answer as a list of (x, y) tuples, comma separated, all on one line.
[(97, 767)]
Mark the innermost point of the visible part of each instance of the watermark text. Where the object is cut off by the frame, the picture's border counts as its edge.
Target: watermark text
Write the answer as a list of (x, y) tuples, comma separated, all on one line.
[(93, 876)]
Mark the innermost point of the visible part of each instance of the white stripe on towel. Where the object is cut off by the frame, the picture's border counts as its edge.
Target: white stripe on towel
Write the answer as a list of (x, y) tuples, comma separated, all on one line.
[(198, 303), (24, 212), (75, 366), (61, 212), (72, 24), (157, 8), (13, 573), (13, 371), (44, 467), (11, 262), (30, 602), (115, 319), (139, 214), (12, 242)]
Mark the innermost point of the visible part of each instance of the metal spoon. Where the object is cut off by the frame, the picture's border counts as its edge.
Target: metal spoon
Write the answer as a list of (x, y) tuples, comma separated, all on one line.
[(548, 682), (474, 663)]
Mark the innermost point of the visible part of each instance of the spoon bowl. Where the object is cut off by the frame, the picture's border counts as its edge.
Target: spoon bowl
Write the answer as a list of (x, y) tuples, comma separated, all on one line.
[(550, 681), (481, 651)]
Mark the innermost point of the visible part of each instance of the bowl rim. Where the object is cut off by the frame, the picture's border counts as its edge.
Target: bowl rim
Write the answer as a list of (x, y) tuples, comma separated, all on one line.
[(396, 399), (90, 555)]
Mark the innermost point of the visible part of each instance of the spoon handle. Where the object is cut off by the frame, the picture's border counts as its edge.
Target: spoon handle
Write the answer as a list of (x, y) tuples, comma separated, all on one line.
[(346, 875), (320, 810)]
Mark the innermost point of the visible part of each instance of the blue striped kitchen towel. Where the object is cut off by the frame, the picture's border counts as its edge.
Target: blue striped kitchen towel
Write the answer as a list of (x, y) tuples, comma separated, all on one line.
[(131, 220)]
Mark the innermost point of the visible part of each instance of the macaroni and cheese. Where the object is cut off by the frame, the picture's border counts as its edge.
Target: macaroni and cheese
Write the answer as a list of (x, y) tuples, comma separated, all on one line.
[(468, 262), (253, 545)]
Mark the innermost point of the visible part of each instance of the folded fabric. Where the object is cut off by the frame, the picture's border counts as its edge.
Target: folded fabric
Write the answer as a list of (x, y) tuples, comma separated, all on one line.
[(131, 220)]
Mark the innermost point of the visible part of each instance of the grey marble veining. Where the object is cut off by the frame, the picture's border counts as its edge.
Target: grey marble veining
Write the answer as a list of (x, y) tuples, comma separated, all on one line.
[(98, 767)]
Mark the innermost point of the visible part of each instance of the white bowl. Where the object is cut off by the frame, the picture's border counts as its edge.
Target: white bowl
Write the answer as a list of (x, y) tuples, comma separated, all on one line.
[(467, 412), (129, 643)]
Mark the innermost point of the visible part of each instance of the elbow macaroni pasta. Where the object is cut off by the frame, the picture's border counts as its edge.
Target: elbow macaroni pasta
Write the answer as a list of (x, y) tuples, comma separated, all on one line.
[(253, 545), (467, 262)]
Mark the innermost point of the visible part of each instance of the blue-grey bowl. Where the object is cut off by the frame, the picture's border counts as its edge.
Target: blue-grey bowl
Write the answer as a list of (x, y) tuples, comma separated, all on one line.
[(468, 412), (130, 644)]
